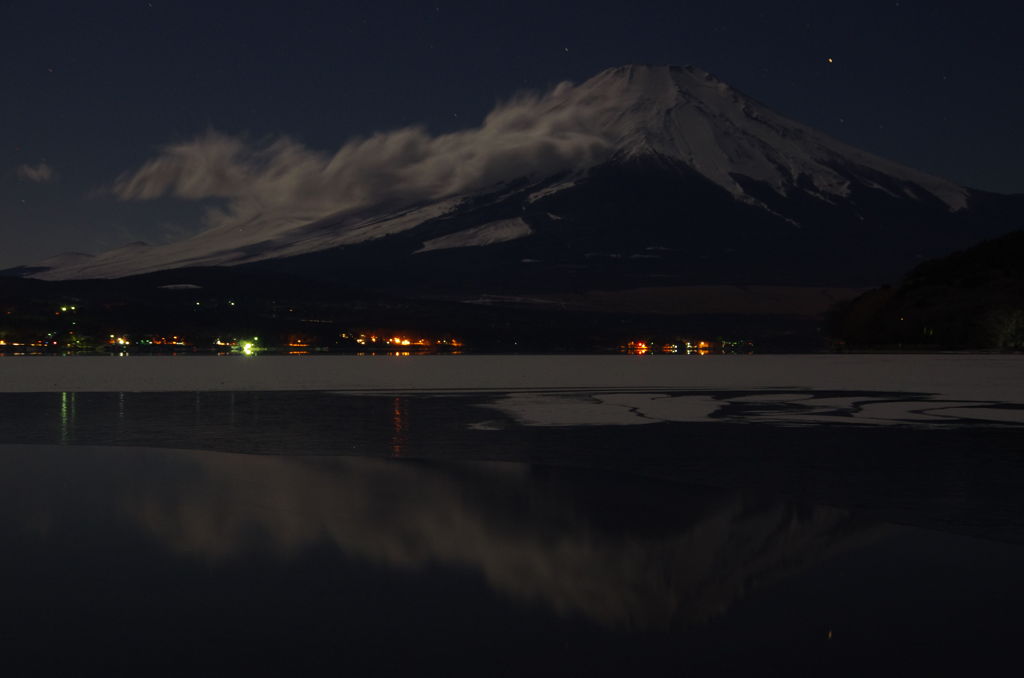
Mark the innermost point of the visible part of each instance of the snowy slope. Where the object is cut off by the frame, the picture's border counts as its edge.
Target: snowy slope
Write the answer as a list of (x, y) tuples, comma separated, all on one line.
[(67, 259), (677, 113), (689, 115), (488, 234), (223, 248)]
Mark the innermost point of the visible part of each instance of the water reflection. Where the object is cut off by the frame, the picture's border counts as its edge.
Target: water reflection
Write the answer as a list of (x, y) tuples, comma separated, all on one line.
[(398, 426), (619, 551), (67, 416)]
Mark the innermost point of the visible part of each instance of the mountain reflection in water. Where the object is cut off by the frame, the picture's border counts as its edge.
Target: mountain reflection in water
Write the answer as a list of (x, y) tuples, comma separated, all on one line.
[(619, 551)]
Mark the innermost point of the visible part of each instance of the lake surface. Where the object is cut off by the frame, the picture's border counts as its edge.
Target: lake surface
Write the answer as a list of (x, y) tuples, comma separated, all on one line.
[(614, 531)]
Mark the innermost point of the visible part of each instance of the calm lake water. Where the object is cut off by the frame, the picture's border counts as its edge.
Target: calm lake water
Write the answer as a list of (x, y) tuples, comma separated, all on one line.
[(549, 532)]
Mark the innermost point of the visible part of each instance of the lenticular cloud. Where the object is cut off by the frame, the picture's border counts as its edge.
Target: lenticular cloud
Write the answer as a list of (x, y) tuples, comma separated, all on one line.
[(281, 182)]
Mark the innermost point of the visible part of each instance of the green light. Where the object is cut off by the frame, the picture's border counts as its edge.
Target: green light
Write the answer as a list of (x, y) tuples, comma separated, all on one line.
[(67, 416)]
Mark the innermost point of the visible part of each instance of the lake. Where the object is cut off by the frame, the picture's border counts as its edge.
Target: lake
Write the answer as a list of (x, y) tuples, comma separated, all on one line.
[(778, 515)]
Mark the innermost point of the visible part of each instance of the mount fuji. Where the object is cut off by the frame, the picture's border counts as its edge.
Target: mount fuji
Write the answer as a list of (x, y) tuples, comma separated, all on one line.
[(642, 176)]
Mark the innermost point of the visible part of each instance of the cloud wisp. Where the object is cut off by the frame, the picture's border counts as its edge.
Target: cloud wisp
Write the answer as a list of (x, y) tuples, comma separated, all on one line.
[(40, 173), (266, 186)]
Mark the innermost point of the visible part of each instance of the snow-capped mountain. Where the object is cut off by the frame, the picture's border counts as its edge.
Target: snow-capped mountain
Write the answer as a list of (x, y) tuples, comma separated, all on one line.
[(691, 116), (642, 175)]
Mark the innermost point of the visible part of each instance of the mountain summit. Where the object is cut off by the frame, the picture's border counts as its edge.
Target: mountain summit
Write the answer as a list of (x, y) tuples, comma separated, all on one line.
[(691, 116), (640, 176)]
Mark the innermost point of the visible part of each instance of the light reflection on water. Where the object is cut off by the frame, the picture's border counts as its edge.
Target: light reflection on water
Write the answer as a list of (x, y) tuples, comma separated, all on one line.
[(67, 416), (823, 447), (398, 425)]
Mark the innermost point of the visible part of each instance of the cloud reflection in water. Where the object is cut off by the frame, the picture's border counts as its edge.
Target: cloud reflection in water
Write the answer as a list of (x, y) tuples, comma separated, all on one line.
[(620, 551)]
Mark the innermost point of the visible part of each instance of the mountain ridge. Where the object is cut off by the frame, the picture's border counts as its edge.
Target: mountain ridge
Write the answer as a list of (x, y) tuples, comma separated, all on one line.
[(732, 175)]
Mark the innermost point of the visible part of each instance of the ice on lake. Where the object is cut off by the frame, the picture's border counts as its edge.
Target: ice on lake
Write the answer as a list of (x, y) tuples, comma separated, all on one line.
[(569, 515)]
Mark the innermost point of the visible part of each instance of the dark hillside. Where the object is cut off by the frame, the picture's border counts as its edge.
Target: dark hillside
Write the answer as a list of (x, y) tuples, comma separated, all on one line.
[(971, 299)]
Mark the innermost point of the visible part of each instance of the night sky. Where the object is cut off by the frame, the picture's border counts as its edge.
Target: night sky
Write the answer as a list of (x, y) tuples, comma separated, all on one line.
[(91, 91)]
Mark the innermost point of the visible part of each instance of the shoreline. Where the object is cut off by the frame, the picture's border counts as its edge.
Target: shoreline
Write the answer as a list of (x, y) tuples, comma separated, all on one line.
[(971, 376)]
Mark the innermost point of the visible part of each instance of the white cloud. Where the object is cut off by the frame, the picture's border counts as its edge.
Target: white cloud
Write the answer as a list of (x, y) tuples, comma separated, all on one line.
[(41, 173), (281, 182)]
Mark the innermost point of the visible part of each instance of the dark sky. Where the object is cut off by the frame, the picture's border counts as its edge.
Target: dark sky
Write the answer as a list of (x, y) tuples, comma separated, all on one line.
[(92, 90)]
